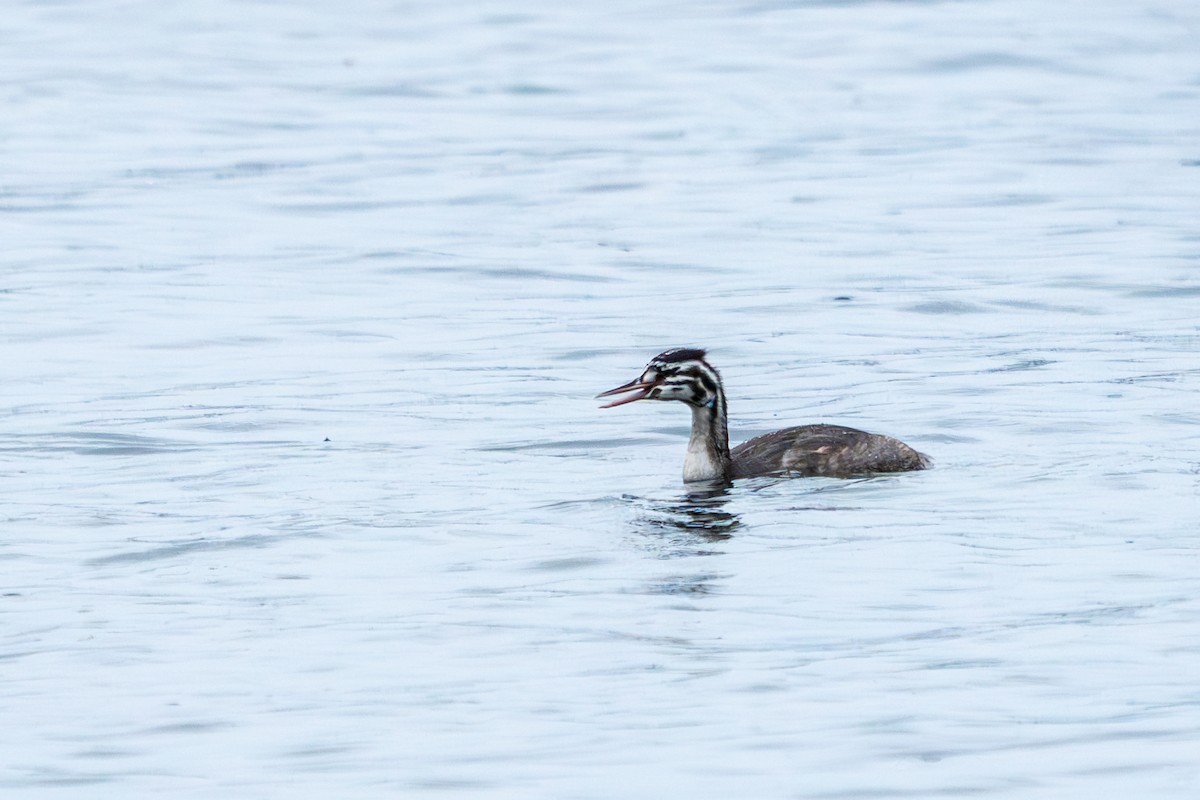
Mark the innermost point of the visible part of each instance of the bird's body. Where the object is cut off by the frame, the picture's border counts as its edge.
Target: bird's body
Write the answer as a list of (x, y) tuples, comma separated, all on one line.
[(808, 450), (831, 450)]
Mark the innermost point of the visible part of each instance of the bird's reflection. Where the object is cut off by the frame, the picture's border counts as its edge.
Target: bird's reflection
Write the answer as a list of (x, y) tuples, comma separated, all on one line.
[(701, 512), (684, 526)]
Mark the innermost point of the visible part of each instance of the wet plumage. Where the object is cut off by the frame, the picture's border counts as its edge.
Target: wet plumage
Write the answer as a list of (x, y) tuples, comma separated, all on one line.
[(836, 451)]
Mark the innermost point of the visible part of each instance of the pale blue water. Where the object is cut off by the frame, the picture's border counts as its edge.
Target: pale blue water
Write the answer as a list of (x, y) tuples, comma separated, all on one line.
[(302, 309)]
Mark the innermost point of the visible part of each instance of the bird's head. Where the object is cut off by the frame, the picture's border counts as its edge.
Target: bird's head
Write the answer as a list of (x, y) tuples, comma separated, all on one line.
[(680, 374)]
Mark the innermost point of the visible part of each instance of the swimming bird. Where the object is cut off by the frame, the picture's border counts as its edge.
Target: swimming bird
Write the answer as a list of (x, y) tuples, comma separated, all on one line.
[(836, 451)]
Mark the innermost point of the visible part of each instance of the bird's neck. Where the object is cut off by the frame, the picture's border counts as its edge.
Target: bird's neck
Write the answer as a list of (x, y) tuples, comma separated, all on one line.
[(708, 456)]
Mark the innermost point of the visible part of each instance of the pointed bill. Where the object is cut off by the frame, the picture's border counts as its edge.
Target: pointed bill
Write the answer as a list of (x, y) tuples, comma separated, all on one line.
[(639, 389)]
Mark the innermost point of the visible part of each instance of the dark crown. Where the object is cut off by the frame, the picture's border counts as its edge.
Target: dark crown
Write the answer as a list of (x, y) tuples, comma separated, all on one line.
[(680, 354)]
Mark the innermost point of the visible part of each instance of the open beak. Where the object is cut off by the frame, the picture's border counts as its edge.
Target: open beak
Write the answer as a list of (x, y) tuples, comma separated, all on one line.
[(640, 391)]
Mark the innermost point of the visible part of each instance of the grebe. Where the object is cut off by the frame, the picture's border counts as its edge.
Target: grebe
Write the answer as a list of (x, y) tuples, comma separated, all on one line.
[(829, 450)]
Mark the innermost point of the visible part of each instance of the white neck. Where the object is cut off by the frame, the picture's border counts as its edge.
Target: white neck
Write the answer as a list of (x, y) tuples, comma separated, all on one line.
[(707, 456)]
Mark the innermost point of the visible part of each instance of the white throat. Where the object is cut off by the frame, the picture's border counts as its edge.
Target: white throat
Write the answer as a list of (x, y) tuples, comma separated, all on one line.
[(703, 459)]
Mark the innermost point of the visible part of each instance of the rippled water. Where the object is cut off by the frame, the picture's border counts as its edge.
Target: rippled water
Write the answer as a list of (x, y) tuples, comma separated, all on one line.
[(303, 308)]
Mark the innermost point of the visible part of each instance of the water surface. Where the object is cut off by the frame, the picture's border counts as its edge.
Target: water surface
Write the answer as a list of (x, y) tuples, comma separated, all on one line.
[(303, 308)]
